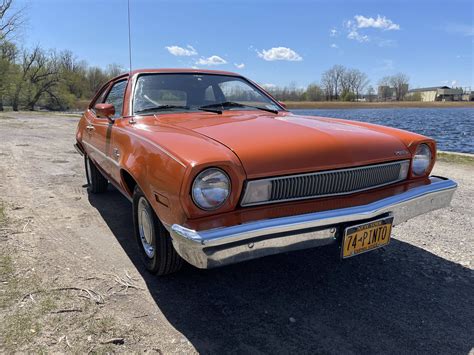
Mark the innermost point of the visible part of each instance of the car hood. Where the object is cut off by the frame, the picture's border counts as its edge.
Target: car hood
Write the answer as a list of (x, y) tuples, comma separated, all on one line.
[(269, 145)]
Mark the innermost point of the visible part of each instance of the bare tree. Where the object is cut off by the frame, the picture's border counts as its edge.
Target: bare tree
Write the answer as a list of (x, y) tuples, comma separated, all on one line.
[(359, 82), (114, 70), (399, 82), (337, 74), (328, 85), (346, 81), (10, 19), (332, 81), (39, 74), (96, 78)]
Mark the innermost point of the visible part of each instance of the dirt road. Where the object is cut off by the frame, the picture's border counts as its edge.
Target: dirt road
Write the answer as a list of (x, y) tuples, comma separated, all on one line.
[(71, 279)]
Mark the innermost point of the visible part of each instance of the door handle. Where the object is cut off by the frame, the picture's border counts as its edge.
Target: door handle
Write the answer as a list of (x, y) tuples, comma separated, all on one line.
[(90, 127)]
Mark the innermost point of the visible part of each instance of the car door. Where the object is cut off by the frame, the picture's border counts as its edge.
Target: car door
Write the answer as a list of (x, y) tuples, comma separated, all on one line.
[(101, 132)]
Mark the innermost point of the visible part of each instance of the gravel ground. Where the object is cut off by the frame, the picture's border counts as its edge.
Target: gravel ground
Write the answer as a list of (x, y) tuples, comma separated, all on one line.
[(414, 296)]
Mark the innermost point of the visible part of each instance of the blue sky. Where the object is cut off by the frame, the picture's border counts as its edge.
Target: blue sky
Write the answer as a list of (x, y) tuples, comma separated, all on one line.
[(271, 42)]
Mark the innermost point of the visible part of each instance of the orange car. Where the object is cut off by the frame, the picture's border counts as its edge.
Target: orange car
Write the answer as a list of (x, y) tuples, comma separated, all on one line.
[(219, 172)]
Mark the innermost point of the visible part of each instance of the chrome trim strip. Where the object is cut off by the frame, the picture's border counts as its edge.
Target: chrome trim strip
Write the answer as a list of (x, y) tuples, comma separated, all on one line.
[(98, 151), (249, 183), (76, 146), (200, 247)]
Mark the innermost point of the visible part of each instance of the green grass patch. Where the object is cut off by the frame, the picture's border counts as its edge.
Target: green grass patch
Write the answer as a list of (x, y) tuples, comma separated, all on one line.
[(9, 283), (19, 329), (455, 158)]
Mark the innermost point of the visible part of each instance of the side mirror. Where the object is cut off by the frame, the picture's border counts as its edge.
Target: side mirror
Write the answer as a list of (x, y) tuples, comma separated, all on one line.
[(282, 104), (105, 111)]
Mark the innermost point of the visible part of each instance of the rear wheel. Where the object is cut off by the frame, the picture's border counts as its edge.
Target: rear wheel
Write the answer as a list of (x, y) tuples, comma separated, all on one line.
[(154, 241), (96, 181)]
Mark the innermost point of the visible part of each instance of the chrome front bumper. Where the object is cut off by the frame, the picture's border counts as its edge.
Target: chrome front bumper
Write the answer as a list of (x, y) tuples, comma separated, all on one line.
[(228, 245)]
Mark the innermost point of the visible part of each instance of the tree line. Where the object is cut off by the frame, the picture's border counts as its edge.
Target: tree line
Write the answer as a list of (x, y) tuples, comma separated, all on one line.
[(52, 80), (340, 83), (36, 77)]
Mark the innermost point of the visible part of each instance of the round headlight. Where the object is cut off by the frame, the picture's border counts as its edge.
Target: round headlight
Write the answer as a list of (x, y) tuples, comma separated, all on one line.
[(421, 160), (211, 188)]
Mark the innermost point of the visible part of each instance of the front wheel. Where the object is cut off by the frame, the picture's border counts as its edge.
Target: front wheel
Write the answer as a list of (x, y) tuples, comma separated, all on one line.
[(154, 241)]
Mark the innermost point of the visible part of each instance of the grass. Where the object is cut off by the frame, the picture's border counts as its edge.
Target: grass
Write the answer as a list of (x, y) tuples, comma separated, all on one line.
[(19, 325), (20, 328), (455, 158), (394, 104)]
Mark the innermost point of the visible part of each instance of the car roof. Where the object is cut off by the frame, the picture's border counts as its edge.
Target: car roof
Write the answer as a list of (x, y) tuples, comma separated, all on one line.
[(177, 71)]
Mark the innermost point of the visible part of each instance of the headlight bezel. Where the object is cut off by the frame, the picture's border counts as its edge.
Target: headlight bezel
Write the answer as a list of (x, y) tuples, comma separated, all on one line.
[(210, 170), (429, 160)]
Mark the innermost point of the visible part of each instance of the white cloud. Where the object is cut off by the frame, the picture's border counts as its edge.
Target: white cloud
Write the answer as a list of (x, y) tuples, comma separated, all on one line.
[(239, 66), (268, 86), (280, 53), (381, 22), (182, 52), (212, 60), (454, 83), (355, 35), (333, 32), (334, 45)]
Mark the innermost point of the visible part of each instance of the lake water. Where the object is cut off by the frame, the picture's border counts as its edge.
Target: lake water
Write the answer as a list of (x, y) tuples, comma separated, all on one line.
[(452, 128)]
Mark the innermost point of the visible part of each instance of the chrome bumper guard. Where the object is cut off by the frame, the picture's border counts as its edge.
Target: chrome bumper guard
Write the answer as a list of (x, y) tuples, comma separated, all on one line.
[(228, 245)]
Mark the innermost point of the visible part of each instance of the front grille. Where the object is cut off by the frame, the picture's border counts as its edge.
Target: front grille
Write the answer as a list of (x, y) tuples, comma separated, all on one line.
[(334, 182)]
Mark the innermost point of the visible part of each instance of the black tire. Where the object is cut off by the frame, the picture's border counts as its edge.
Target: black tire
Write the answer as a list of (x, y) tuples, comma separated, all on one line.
[(96, 181), (162, 259)]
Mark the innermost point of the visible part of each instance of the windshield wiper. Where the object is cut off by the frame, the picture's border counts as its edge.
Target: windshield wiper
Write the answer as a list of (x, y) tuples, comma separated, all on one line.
[(209, 109), (162, 107), (237, 104)]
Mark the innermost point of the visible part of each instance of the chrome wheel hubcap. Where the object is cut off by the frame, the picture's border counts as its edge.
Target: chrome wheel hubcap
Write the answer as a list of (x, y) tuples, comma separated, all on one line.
[(145, 227)]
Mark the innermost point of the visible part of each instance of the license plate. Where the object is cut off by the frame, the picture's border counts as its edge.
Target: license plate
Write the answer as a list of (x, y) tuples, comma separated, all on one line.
[(365, 237)]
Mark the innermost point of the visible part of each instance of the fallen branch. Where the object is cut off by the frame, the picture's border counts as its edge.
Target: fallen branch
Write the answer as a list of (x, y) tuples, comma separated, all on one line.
[(116, 341), (90, 294), (26, 225), (125, 283), (67, 310), (142, 316), (129, 277)]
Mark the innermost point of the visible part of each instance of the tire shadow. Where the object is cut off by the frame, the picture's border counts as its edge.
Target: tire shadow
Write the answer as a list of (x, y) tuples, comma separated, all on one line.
[(401, 299)]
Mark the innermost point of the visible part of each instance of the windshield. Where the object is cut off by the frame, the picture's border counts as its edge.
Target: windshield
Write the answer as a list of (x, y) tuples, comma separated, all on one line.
[(170, 93)]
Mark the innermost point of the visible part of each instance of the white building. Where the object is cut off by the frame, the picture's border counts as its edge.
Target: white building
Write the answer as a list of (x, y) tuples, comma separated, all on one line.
[(438, 93)]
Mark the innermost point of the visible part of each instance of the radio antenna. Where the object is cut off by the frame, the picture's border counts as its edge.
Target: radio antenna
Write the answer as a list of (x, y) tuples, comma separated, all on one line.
[(129, 39)]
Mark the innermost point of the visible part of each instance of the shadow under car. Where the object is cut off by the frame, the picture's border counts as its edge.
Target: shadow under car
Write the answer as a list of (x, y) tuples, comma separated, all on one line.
[(398, 299)]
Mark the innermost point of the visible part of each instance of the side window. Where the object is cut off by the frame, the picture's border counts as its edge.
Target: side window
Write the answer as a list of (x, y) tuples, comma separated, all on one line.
[(116, 96)]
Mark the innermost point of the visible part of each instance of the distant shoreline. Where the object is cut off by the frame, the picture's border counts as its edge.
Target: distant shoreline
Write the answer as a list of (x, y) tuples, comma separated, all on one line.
[(361, 105)]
